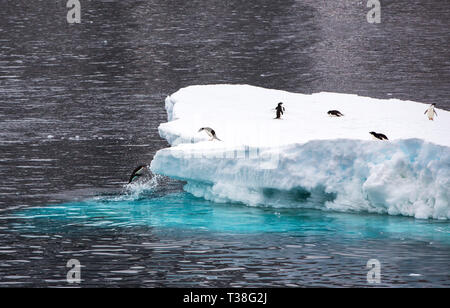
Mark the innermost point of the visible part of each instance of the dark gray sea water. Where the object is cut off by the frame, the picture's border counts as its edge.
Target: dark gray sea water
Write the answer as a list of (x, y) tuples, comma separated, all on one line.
[(80, 105)]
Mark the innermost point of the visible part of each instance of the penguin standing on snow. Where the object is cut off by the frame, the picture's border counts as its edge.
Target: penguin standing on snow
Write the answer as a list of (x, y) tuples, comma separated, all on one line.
[(280, 110), (211, 133), (335, 113), (137, 172), (430, 112), (379, 136)]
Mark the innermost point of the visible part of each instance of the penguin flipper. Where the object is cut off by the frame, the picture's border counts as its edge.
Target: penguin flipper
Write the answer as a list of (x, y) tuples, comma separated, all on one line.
[(136, 172), (133, 176)]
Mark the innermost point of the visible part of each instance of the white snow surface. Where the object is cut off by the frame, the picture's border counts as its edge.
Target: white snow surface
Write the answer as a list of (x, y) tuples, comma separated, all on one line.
[(308, 159)]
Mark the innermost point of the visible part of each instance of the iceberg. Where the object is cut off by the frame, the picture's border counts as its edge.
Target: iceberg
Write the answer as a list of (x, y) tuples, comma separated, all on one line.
[(307, 159)]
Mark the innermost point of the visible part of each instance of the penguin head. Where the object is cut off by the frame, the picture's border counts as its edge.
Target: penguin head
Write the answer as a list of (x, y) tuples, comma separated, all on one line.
[(434, 104), (373, 133), (142, 168), (279, 104), (201, 129)]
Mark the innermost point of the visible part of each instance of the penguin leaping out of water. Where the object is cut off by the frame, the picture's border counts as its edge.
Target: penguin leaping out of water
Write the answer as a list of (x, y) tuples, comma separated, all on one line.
[(379, 136), (137, 172), (430, 112), (211, 133), (335, 113)]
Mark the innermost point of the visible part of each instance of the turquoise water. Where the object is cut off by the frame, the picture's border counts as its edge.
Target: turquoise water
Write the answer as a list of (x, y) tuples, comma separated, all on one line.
[(144, 238), (184, 211)]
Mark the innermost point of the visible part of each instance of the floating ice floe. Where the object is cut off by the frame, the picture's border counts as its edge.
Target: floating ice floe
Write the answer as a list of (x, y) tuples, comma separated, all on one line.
[(307, 158)]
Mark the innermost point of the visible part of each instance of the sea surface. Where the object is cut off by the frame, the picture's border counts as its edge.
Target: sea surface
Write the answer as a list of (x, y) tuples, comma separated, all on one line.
[(80, 105)]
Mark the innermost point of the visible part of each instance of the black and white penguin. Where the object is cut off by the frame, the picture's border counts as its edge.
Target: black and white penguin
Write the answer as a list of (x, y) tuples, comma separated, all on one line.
[(379, 136), (430, 112), (211, 133), (137, 172), (280, 110), (335, 113)]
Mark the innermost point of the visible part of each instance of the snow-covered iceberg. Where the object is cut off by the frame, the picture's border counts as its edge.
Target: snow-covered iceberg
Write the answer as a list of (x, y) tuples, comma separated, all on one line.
[(308, 159)]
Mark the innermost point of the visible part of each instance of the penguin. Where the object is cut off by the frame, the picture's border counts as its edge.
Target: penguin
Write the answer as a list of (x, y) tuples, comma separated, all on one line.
[(379, 136), (430, 112), (335, 113), (137, 172), (211, 133), (280, 110)]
